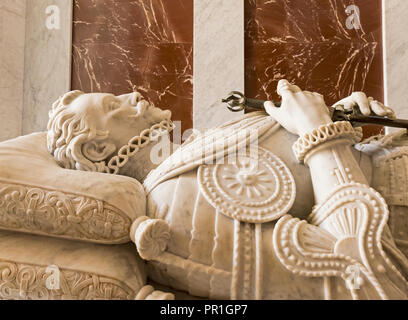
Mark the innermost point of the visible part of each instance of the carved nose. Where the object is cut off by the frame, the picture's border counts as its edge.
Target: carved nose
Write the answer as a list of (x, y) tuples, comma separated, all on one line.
[(130, 98)]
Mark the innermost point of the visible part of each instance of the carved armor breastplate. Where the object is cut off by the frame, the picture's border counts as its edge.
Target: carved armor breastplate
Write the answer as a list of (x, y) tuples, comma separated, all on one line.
[(256, 187)]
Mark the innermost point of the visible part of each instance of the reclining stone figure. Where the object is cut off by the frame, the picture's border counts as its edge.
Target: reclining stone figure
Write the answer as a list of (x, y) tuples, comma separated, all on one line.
[(258, 224)]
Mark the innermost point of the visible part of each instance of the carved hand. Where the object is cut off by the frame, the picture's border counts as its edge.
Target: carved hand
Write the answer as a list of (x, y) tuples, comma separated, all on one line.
[(303, 111), (300, 111), (366, 105)]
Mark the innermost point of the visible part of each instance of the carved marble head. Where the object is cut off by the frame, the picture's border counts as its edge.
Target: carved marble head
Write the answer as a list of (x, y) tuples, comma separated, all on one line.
[(86, 130)]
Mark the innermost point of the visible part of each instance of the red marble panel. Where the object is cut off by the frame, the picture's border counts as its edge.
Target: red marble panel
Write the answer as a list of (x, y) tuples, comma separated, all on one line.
[(145, 45), (308, 43)]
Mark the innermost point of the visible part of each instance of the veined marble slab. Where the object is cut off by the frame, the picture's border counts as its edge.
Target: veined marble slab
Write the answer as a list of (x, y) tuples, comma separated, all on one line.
[(47, 66), (218, 59), (144, 45), (12, 18)]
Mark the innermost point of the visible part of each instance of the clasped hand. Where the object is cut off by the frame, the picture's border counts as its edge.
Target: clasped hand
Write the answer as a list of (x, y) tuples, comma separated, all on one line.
[(303, 111)]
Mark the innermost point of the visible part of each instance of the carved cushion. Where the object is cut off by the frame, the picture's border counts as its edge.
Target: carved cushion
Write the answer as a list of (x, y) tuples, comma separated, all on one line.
[(39, 197), (37, 267)]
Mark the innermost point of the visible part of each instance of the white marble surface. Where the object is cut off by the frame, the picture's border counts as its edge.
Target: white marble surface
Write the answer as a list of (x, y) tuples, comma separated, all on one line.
[(218, 59), (396, 56), (12, 30), (47, 67)]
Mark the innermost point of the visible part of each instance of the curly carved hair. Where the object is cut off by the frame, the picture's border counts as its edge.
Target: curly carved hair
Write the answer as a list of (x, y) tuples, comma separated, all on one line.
[(68, 131)]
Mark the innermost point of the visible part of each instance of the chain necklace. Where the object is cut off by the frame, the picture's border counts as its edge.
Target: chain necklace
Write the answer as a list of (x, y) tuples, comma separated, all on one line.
[(134, 145)]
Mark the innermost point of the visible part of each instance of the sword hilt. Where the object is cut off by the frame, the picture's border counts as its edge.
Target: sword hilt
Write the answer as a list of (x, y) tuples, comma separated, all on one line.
[(236, 101)]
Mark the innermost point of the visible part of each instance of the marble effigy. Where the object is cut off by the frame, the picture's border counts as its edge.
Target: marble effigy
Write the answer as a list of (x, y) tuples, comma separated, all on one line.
[(295, 218), (275, 205)]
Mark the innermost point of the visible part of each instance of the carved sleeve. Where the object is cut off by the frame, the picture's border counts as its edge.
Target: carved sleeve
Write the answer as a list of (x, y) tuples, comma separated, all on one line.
[(327, 152), (343, 237), (331, 165)]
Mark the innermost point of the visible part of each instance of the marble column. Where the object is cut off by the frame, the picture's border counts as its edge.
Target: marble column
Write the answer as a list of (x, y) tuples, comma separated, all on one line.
[(12, 30), (395, 24), (47, 65), (218, 59)]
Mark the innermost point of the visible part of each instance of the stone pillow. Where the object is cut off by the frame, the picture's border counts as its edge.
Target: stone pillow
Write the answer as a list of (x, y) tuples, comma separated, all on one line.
[(37, 196), (35, 267)]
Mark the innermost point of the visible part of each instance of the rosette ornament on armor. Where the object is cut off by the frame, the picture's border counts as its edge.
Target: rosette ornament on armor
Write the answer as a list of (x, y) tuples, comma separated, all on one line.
[(256, 188)]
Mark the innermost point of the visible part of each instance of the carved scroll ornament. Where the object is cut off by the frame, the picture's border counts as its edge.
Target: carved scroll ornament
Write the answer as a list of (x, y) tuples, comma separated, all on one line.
[(29, 282), (41, 211)]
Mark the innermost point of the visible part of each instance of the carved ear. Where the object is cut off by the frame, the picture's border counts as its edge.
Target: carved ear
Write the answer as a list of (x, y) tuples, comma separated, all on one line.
[(98, 150)]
